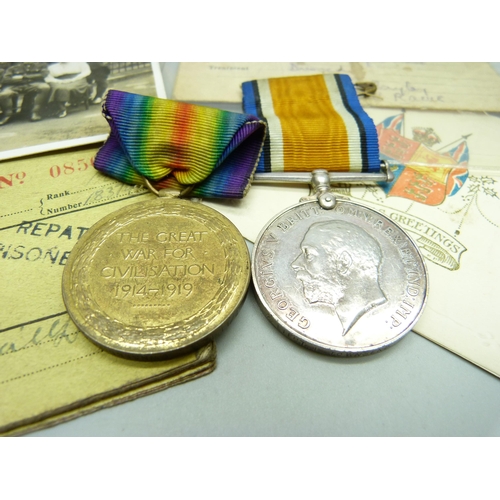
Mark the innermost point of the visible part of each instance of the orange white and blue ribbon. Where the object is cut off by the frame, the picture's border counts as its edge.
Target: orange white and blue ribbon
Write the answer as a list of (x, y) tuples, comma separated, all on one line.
[(179, 145), (313, 122)]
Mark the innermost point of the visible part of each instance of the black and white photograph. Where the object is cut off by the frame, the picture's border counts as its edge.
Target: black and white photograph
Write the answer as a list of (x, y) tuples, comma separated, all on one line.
[(46, 106)]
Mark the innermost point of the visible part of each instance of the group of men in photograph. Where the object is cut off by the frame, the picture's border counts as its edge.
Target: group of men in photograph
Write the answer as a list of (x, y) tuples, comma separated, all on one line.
[(41, 89)]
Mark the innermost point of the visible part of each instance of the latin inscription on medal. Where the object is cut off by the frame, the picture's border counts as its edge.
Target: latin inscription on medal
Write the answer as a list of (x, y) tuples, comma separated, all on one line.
[(346, 281), (156, 276)]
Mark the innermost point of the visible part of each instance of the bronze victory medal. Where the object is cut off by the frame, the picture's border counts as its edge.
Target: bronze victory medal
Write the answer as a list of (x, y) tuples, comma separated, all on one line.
[(344, 281), (156, 277)]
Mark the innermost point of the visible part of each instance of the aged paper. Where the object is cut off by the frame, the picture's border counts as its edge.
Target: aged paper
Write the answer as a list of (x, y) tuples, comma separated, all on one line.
[(452, 210), (48, 370), (438, 86)]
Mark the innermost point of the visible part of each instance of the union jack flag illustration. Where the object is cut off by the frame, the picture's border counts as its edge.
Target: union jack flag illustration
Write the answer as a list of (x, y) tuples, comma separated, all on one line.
[(456, 180), (393, 122), (460, 154)]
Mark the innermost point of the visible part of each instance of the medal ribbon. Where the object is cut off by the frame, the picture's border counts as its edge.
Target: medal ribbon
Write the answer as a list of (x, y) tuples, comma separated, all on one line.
[(313, 122), (174, 144)]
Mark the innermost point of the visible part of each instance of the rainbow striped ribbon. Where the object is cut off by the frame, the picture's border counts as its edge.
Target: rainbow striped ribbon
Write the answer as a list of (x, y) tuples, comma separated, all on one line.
[(313, 122), (175, 144)]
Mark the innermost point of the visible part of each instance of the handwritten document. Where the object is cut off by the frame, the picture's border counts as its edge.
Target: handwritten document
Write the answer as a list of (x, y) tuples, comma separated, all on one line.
[(435, 86), (49, 371)]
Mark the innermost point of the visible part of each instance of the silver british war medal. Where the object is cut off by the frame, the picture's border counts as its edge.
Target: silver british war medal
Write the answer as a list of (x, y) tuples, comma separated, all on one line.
[(338, 277)]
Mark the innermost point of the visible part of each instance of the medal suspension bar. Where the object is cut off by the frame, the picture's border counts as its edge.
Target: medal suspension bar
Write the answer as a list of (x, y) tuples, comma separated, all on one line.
[(385, 175)]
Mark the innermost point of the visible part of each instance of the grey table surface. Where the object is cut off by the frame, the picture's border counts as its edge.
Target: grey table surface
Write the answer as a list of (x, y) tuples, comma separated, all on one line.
[(266, 385)]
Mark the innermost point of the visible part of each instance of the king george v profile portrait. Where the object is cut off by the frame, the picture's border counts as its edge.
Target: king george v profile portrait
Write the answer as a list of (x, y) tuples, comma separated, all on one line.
[(339, 265)]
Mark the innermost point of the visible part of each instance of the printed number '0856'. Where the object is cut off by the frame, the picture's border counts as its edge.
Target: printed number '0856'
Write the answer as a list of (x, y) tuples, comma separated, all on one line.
[(71, 167)]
